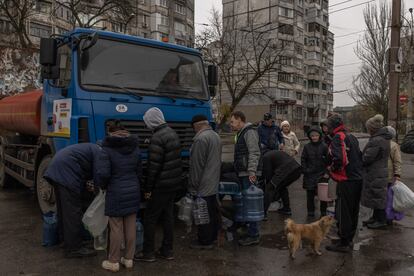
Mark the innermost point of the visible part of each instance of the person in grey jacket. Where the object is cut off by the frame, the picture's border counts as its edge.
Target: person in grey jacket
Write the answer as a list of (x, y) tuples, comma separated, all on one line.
[(205, 165), (247, 164), (375, 161)]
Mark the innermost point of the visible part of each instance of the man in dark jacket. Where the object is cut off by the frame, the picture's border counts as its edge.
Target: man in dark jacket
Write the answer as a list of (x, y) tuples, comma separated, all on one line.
[(247, 164), (164, 180), (279, 171), (345, 167), (270, 135), (375, 160), (120, 173), (314, 163), (205, 165), (68, 172)]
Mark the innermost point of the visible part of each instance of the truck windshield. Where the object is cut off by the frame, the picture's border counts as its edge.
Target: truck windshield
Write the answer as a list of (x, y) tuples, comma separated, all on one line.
[(143, 69)]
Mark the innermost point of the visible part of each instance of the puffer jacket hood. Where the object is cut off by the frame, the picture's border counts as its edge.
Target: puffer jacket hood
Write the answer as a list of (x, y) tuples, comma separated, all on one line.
[(153, 118), (383, 132), (124, 145), (315, 129)]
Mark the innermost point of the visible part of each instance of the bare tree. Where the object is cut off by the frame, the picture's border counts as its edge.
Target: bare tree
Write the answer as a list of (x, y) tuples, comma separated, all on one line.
[(87, 14), (17, 12), (245, 57), (370, 87)]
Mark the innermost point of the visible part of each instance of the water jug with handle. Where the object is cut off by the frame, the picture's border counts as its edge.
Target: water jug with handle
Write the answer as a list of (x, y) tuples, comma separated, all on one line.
[(253, 204), (238, 207), (200, 212), (186, 209), (50, 229)]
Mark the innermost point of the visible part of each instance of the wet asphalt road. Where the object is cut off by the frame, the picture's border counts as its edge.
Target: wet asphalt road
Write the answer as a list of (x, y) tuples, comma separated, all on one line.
[(385, 252)]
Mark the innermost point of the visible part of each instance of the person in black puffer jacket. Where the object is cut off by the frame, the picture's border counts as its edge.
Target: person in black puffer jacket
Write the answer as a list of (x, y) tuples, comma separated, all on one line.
[(120, 173), (314, 165), (164, 180)]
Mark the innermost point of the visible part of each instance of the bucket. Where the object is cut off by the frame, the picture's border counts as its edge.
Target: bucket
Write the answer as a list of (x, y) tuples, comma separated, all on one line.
[(323, 192)]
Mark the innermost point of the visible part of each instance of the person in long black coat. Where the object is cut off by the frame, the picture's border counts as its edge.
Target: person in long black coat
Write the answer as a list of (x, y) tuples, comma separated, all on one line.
[(314, 163), (375, 161), (120, 174)]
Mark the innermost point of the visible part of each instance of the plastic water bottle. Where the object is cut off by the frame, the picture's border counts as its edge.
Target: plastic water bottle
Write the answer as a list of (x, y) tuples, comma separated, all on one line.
[(228, 188), (50, 229), (186, 209), (253, 205), (101, 242), (200, 212), (238, 207), (139, 243)]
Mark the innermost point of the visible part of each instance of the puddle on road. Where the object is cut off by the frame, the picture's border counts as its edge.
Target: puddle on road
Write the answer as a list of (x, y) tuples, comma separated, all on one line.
[(274, 241)]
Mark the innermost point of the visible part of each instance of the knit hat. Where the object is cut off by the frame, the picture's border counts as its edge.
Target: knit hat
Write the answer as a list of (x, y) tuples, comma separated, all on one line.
[(153, 118), (375, 122), (284, 123), (334, 121), (392, 131), (198, 118), (314, 129)]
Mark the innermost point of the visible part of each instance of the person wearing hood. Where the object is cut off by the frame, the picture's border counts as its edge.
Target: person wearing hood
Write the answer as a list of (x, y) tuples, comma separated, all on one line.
[(270, 135), (345, 167), (326, 137), (247, 164), (120, 174), (292, 144), (163, 181), (375, 160), (314, 164)]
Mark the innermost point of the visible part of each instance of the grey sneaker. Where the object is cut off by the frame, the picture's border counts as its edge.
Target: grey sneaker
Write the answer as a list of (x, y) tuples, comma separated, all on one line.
[(249, 241)]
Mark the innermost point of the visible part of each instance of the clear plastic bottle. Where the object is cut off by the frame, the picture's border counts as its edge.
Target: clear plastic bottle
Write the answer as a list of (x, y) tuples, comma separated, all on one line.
[(185, 210), (101, 242), (200, 212), (253, 206)]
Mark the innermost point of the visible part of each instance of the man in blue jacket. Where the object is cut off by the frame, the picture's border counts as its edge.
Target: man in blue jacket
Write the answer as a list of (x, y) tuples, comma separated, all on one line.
[(68, 172), (270, 136)]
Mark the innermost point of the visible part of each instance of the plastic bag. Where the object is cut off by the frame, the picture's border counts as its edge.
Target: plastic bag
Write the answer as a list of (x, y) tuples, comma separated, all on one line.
[(391, 213), (403, 197), (94, 218)]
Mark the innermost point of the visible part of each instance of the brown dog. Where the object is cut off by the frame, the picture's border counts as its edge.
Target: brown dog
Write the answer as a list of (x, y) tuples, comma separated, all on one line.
[(313, 232)]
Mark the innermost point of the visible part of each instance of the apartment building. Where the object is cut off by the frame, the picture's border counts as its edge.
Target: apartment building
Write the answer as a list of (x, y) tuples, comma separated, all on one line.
[(164, 20), (300, 87)]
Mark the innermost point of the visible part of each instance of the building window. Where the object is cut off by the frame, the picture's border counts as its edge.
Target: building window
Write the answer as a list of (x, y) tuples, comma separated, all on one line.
[(285, 12), (179, 29), (145, 20), (298, 96), (5, 27), (179, 9), (323, 86), (282, 110), (314, 27), (284, 93), (285, 29), (39, 30), (284, 77), (43, 6), (300, 3), (298, 49), (285, 60), (314, 56), (163, 3), (164, 20), (299, 113), (313, 84)]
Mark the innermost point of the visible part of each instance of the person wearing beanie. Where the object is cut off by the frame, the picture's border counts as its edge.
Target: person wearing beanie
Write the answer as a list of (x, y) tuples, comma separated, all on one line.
[(120, 174), (345, 167), (204, 178), (326, 137), (164, 169), (270, 135), (292, 144), (314, 164), (375, 160)]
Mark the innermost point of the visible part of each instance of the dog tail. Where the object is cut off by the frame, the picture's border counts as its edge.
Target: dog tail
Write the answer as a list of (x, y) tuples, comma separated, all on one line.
[(288, 226)]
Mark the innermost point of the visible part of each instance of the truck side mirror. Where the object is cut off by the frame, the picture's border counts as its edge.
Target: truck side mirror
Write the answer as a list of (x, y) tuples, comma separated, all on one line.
[(212, 75), (48, 52), (48, 59)]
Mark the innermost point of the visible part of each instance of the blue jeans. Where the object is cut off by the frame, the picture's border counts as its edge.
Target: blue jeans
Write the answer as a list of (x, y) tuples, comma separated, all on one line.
[(253, 229)]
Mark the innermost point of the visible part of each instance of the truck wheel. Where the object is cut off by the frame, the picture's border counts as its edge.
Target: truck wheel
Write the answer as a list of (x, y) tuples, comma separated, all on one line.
[(4, 179), (45, 192)]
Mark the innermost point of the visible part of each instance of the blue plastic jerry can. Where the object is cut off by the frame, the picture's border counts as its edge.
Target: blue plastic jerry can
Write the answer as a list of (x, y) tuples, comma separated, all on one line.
[(50, 229)]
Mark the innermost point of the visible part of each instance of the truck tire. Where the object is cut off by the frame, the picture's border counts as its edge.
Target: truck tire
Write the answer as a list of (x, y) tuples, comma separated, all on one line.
[(45, 192)]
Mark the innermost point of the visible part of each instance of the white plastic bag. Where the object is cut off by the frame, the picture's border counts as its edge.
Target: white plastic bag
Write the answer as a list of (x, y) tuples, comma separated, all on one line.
[(403, 197), (94, 218)]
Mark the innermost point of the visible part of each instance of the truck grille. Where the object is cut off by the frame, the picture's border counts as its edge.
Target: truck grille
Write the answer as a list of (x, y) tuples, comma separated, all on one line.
[(184, 130)]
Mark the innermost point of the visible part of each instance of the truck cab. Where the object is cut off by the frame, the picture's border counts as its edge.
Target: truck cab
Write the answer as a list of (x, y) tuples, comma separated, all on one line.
[(91, 78)]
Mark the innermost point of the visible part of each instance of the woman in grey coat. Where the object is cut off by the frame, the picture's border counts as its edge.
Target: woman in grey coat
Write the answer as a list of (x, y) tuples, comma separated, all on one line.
[(375, 161)]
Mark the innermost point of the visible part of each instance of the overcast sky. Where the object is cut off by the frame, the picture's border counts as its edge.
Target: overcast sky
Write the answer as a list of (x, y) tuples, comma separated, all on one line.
[(341, 23)]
